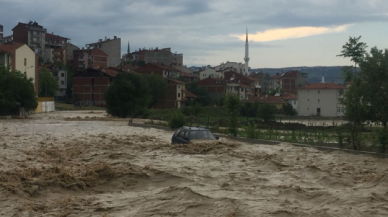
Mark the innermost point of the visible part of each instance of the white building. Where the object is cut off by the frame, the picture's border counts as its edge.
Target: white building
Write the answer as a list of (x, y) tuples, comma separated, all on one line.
[(321, 99), (232, 66), (210, 72)]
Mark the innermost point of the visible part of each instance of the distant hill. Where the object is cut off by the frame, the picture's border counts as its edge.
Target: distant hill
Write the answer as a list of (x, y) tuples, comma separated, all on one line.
[(315, 73)]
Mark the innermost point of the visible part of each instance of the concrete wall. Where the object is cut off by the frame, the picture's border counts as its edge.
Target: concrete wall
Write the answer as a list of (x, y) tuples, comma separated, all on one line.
[(325, 99), (45, 104), (24, 52)]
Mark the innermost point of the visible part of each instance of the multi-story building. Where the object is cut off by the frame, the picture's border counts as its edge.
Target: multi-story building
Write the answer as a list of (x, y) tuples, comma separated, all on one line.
[(32, 34), (90, 84), (1, 35), (231, 66), (176, 95), (210, 72), (112, 47), (216, 87), (163, 55), (289, 82), (252, 84), (55, 48), (70, 48), (90, 58), (61, 75), (161, 69), (188, 77), (264, 79), (321, 99), (20, 57), (8, 39)]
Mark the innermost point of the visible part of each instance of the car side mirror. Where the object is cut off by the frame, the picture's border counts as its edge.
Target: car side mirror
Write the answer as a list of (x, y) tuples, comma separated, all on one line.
[(217, 137)]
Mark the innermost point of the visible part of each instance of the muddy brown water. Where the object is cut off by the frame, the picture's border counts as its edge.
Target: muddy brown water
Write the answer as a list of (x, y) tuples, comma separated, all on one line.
[(89, 164)]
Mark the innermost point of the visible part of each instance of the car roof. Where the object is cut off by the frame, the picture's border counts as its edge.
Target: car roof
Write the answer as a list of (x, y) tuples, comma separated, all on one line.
[(194, 128)]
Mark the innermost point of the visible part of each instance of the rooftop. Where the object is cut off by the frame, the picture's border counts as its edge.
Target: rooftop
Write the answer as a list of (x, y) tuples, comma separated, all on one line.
[(316, 86)]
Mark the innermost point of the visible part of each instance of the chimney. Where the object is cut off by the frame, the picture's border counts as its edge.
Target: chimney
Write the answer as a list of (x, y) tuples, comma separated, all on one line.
[(323, 79)]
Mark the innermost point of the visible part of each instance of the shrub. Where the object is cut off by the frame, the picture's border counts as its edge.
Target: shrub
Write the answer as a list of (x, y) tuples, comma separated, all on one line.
[(176, 120)]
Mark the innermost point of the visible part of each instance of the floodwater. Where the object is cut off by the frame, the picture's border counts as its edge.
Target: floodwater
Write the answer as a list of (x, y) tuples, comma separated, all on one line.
[(89, 164)]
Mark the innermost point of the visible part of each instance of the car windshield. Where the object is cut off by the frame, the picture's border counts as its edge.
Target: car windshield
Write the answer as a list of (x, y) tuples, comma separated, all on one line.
[(201, 134)]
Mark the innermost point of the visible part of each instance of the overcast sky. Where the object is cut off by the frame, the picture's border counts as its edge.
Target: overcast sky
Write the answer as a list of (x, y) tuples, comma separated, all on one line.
[(281, 32)]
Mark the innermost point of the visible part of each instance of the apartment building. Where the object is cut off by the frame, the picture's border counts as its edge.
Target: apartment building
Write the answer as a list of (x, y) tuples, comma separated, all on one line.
[(216, 87), (70, 48), (32, 34), (89, 86), (112, 47), (20, 57), (161, 69), (321, 99), (232, 66), (93, 58), (289, 81), (55, 48), (157, 55)]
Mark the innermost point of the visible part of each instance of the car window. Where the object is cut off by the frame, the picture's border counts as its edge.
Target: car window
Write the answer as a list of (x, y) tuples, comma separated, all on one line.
[(176, 133), (201, 134), (181, 134), (186, 135)]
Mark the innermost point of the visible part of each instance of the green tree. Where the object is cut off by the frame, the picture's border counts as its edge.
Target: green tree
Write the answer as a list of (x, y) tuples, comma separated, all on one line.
[(267, 111), (355, 50), (129, 95), (158, 88), (356, 109), (374, 72), (202, 95), (16, 90), (347, 74), (233, 104), (249, 109), (48, 84), (288, 109)]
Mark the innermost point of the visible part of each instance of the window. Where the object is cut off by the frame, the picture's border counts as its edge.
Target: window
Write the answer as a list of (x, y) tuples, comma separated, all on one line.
[(338, 109), (318, 91), (25, 62), (62, 82), (179, 94), (318, 100), (62, 74), (308, 99), (294, 102)]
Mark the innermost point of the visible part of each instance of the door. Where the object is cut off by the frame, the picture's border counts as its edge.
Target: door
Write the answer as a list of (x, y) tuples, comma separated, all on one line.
[(318, 111)]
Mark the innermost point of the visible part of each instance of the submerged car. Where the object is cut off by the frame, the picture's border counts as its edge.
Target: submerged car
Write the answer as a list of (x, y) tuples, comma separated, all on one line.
[(185, 134)]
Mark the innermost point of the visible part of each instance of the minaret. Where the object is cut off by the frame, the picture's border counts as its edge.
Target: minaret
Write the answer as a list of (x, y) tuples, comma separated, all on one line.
[(128, 52), (246, 59)]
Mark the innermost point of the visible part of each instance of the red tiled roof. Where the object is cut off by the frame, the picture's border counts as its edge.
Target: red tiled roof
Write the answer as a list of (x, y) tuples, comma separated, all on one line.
[(185, 74), (176, 81), (288, 96), (112, 71), (48, 35), (96, 51), (189, 94), (251, 78), (316, 86), (129, 68), (164, 66), (267, 99), (10, 48)]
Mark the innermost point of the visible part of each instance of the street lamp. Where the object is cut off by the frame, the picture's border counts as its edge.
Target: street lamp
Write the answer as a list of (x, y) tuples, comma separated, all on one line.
[(25, 72)]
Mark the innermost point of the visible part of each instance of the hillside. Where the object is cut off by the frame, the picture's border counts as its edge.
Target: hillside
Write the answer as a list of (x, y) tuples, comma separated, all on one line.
[(315, 73)]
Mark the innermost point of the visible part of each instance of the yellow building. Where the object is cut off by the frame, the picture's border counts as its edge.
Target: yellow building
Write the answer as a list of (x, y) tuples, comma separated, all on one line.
[(22, 58)]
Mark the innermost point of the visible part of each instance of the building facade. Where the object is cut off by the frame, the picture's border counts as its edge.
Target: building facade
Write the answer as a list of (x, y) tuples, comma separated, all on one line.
[(70, 48), (55, 48), (321, 99), (289, 81), (1, 35), (20, 57), (216, 87), (231, 66), (89, 86), (112, 47), (176, 95), (161, 69), (32, 34), (90, 58)]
